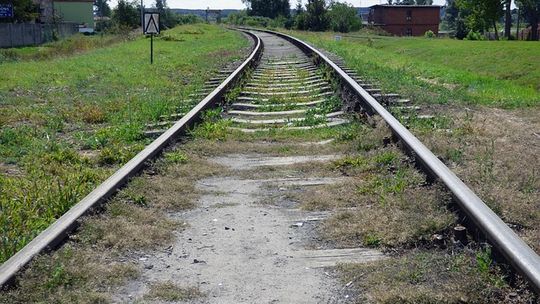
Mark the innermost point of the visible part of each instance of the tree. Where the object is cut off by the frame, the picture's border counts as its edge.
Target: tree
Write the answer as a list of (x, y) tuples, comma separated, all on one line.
[(455, 18), (507, 18), (23, 11), (531, 11), (126, 14), (424, 2), (102, 8), (268, 8), (316, 15), (300, 19), (483, 14), (343, 17), (167, 19), (299, 7)]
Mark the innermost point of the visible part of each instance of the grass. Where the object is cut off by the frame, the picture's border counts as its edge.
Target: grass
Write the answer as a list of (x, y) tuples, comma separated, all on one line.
[(384, 202), (65, 47), (439, 276), (68, 123), (502, 74), (103, 252), (168, 291)]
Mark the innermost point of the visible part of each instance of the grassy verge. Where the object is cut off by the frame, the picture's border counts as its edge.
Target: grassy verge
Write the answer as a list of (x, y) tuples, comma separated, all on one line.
[(105, 251), (502, 74), (69, 46), (67, 123)]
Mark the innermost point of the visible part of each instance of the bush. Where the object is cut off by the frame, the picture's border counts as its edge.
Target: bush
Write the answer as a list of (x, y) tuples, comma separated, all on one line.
[(300, 21), (472, 35), (242, 18), (189, 19), (429, 34), (126, 14)]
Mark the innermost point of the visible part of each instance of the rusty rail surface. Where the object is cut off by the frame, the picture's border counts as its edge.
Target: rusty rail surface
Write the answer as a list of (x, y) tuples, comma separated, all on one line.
[(57, 231)]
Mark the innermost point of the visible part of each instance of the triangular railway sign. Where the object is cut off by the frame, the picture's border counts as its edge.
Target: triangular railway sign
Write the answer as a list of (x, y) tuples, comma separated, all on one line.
[(151, 23)]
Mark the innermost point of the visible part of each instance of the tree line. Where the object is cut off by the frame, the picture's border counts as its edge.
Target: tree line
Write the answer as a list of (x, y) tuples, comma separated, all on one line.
[(467, 17), (315, 15), (127, 15)]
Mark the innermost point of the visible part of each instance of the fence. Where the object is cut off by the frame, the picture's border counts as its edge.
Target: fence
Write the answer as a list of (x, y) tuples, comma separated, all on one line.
[(24, 34)]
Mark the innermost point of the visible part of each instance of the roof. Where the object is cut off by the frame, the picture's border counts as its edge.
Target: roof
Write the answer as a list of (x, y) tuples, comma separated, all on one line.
[(407, 6)]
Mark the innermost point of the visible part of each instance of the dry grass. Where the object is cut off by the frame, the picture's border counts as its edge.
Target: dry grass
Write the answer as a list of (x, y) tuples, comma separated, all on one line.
[(384, 201), (496, 153), (73, 274), (168, 291), (92, 114), (126, 226), (328, 197), (305, 170), (466, 276), (409, 217), (174, 188), (282, 147)]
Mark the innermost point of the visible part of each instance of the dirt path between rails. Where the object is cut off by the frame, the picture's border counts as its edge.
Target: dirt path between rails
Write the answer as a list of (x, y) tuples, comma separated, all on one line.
[(238, 249)]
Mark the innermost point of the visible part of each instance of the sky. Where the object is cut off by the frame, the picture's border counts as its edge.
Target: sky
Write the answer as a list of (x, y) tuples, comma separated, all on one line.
[(237, 4)]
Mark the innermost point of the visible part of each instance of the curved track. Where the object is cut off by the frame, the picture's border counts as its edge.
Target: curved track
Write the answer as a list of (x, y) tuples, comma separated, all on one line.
[(287, 91)]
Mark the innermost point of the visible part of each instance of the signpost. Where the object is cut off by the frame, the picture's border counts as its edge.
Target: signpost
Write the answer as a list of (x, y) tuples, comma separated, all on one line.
[(151, 27), (6, 10)]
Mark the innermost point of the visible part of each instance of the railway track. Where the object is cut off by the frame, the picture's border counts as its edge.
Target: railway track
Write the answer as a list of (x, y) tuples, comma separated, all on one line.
[(286, 90), (286, 86)]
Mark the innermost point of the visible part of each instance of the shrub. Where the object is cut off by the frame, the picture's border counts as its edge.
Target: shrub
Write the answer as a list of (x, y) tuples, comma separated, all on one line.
[(300, 21), (242, 18), (429, 34), (189, 19), (472, 35)]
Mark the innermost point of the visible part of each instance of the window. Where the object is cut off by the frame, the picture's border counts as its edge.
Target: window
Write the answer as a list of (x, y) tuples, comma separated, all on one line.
[(409, 15)]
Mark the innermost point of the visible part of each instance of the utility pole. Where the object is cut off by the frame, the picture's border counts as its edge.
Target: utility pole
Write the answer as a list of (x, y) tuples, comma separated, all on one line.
[(517, 29), (507, 19), (142, 14)]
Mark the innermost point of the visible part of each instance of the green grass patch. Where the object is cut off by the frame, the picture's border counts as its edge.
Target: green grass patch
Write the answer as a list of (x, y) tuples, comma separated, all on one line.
[(503, 74), (69, 46), (68, 123)]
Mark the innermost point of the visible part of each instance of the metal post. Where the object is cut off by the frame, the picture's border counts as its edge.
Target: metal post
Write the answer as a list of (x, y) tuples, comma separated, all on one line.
[(151, 48)]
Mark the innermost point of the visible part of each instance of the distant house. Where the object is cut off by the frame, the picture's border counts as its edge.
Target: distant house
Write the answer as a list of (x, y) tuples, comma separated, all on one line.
[(406, 20), (80, 12)]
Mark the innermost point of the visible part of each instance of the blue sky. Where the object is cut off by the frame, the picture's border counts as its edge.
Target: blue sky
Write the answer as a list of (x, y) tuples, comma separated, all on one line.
[(237, 4)]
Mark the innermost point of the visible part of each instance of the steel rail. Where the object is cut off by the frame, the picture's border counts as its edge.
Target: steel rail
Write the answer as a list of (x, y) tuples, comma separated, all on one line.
[(502, 237), (58, 230)]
